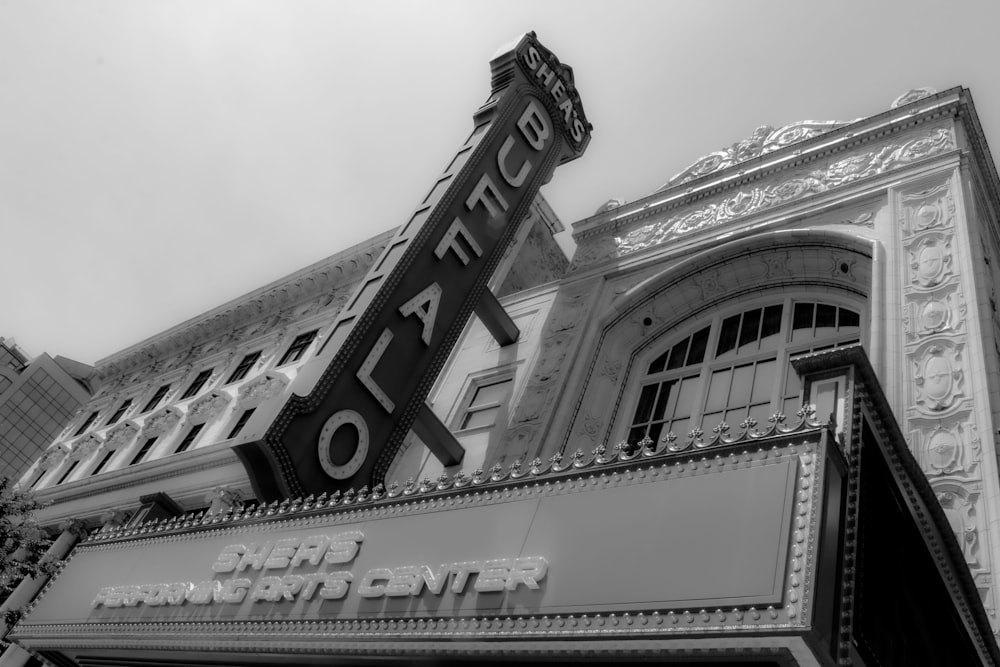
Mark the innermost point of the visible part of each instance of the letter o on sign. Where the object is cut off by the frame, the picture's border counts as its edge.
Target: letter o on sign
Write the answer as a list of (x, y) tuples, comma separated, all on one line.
[(335, 422)]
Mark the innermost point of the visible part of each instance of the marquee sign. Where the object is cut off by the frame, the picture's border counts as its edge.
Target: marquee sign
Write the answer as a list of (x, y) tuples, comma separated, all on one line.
[(391, 340), (701, 535)]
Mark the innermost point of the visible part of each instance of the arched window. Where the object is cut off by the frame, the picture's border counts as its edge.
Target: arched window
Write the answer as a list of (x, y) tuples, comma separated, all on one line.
[(734, 370)]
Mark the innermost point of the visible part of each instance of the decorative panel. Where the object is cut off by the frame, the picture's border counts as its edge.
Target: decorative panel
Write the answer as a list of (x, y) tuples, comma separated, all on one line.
[(940, 407)]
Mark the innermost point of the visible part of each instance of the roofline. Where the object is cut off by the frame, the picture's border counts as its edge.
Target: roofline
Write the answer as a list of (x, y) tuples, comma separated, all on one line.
[(228, 310), (955, 100)]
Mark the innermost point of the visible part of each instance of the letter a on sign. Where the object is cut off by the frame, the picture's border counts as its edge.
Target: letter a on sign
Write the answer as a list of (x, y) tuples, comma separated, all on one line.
[(375, 364), (425, 307)]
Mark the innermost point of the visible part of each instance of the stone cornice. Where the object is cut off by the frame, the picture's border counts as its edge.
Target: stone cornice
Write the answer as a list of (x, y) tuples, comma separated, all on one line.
[(950, 103), (320, 278), (980, 150), (195, 460)]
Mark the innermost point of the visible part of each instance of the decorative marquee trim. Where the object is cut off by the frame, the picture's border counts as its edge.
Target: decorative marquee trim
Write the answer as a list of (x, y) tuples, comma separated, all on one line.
[(441, 493), (800, 444)]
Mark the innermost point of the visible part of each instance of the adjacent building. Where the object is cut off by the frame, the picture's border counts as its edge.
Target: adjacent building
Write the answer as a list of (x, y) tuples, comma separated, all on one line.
[(751, 419), (38, 396)]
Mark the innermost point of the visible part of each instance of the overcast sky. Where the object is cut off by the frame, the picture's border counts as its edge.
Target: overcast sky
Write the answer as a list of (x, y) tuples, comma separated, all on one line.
[(160, 157)]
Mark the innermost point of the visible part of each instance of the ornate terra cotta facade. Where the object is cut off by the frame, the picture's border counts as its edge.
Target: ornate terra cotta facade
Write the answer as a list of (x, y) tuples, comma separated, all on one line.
[(751, 419)]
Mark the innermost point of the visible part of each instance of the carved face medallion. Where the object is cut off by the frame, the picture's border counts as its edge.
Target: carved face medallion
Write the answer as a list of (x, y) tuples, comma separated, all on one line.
[(927, 216), (933, 315), (937, 378), (943, 450), (929, 263)]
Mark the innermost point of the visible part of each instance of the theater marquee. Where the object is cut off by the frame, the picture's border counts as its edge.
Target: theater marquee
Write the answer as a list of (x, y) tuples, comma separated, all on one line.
[(656, 540)]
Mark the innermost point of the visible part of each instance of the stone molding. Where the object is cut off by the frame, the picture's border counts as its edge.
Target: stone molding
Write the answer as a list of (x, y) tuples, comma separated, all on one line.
[(121, 435), (764, 140), (208, 406), (53, 456), (748, 201), (160, 422), (86, 446), (264, 386)]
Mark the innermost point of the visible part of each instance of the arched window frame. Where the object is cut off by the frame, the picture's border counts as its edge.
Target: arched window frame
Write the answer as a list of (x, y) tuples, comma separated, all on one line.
[(785, 349)]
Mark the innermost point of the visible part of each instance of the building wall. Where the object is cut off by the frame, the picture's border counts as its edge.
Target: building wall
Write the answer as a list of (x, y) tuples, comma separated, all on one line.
[(892, 218), (75, 477)]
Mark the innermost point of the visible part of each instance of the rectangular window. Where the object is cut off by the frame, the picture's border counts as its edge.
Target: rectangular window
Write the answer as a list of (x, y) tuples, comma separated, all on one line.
[(241, 422), (297, 348), (664, 408), (189, 438), (738, 393), (104, 462), (142, 452), (485, 404), (198, 383), (86, 424), (122, 409), (157, 397), (245, 367), (68, 472)]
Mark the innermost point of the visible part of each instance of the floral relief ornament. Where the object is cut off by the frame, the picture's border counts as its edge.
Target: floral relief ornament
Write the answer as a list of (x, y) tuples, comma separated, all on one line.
[(931, 260), (121, 434), (959, 507), (262, 388), (765, 139), (932, 315), (161, 422), (85, 447), (207, 406), (54, 456), (944, 450), (746, 202)]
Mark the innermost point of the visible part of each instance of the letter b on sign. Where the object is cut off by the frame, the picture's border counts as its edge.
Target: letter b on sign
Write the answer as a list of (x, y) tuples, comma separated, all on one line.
[(534, 126)]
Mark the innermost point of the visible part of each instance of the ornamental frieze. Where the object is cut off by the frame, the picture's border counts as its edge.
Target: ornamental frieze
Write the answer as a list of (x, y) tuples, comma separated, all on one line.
[(760, 198), (765, 139)]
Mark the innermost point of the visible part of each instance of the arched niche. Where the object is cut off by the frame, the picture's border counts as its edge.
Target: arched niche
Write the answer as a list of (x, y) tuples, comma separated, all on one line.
[(813, 263)]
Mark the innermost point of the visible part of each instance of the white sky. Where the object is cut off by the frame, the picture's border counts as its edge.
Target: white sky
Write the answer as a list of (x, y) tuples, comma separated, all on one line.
[(160, 157)]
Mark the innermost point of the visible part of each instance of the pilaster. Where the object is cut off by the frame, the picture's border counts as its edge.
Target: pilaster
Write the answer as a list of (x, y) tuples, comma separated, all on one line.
[(937, 366)]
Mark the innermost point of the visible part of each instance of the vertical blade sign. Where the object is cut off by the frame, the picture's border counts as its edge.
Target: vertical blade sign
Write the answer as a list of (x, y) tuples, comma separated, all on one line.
[(384, 352)]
